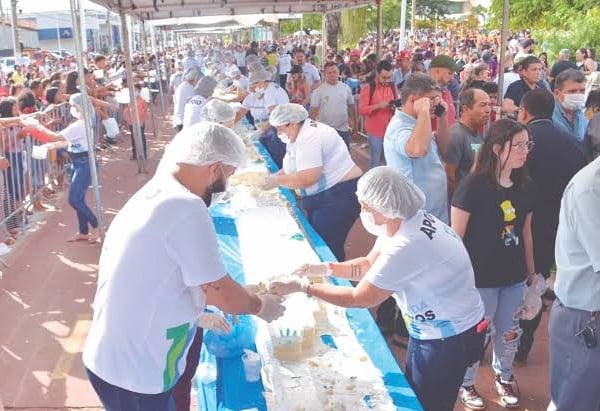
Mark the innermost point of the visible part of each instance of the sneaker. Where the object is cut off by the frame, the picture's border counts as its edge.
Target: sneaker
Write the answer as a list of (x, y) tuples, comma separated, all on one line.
[(471, 398), (508, 392)]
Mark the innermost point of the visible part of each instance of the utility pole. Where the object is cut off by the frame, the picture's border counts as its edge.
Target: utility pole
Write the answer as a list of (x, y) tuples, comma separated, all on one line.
[(15, 30), (413, 13)]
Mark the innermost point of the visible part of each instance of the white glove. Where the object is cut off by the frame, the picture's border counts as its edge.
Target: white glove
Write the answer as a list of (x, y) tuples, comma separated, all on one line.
[(313, 270), (288, 285), (213, 322), (269, 183), (271, 308)]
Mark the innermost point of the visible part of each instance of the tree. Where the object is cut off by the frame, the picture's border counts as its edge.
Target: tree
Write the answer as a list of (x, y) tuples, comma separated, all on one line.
[(353, 26), (333, 29), (433, 9)]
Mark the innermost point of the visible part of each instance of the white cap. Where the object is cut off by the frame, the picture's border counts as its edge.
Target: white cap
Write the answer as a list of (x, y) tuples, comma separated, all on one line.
[(206, 143), (217, 111), (387, 191), (287, 113)]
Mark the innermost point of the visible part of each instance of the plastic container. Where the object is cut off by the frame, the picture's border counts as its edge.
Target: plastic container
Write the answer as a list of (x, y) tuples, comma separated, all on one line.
[(252, 366), (231, 345)]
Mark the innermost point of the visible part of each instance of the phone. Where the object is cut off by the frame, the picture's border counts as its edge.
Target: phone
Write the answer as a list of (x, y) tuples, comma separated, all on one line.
[(396, 103), (439, 110)]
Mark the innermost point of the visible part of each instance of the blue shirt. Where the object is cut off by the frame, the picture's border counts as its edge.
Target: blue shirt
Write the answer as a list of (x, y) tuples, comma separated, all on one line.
[(577, 128), (577, 241), (426, 172)]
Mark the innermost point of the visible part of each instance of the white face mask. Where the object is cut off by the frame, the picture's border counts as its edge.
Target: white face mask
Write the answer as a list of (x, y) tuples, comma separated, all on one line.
[(75, 113), (284, 138), (574, 102), (259, 91), (368, 221)]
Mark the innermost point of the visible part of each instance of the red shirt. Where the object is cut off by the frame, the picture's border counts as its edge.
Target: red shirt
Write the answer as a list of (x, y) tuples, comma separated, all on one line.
[(376, 120)]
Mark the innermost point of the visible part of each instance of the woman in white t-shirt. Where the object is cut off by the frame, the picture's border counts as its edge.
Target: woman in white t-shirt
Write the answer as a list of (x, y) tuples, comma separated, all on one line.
[(202, 93), (318, 166), (81, 177), (423, 264)]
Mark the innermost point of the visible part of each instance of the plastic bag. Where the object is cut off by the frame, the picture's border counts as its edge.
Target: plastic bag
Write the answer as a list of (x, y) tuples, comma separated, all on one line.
[(111, 127), (231, 345), (532, 303)]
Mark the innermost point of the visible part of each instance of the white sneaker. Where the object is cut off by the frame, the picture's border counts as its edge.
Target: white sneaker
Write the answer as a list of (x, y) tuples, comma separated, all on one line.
[(508, 392), (471, 398)]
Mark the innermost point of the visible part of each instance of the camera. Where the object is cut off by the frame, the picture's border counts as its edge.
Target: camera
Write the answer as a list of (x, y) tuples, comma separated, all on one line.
[(396, 103), (439, 110)]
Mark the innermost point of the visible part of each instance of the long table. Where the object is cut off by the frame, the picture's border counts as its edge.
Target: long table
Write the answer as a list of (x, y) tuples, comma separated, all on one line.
[(230, 391)]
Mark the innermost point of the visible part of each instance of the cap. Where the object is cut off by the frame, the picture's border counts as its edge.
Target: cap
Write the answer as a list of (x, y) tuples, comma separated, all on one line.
[(404, 54), (296, 70), (444, 61)]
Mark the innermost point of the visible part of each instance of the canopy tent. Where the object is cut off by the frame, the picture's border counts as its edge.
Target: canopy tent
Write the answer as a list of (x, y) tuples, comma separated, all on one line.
[(247, 21), (146, 10)]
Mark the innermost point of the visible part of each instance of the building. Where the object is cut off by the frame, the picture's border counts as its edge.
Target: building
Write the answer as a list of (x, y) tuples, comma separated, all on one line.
[(28, 37)]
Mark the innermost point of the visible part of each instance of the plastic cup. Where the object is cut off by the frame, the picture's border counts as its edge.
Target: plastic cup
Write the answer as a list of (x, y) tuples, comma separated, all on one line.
[(252, 366)]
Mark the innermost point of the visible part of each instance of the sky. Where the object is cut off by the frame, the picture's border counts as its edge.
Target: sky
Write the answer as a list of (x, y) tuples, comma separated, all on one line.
[(29, 6)]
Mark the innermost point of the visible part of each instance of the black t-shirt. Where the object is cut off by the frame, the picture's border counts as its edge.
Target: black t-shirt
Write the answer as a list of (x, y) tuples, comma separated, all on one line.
[(558, 68), (517, 90), (494, 234)]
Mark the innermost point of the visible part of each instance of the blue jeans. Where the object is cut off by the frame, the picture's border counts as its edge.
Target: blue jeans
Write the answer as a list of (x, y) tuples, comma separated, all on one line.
[(80, 181), (274, 146), (114, 398), (574, 370), (133, 148), (376, 150), (332, 213), (502, 307), (435, 368), (345, 135)]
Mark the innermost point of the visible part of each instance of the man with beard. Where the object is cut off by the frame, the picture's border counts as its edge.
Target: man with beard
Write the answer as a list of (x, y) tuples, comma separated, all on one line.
[(441, 70), (159, 268)]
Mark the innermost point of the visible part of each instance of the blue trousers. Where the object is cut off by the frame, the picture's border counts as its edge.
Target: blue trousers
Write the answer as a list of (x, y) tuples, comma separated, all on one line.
[(274, 146), (345, 135), (332, 213), (435, 368), (80, 181), (375, 150), (114, 398)]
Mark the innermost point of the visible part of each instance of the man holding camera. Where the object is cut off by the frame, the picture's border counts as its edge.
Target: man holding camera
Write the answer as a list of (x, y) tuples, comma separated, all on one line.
[(411, 146)]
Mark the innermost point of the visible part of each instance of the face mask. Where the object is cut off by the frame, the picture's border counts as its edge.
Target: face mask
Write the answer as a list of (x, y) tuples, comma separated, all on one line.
[(284, 138), (368, 221), (74, 113), (259, 92), (574, 102), (217, 191)]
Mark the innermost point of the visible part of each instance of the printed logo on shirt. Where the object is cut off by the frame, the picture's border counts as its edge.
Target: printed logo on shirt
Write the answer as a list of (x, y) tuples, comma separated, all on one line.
[(181, 337), (508, 234), (428, 226)]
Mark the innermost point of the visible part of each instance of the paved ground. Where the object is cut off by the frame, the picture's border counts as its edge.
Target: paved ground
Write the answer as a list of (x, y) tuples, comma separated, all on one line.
[(46, 293)]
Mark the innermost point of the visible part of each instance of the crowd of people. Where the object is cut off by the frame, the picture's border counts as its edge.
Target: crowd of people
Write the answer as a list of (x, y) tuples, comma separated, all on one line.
[(474, 195)]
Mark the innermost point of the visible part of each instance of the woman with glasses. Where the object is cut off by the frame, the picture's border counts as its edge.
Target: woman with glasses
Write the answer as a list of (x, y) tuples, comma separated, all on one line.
[(491, 211)]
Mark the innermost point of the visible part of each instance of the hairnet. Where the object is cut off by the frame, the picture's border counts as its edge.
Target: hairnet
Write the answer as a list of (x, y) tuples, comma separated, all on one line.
[(272, 72), (192, 74), (287, 113), (390, 193), (234, 72), (206, 143), (252, 58), (217, 111), (256, 76), (255, 66), (206, 86)]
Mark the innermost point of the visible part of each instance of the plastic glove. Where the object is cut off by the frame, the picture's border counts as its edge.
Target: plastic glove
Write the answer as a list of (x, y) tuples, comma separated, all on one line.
[(269, 183), (288, 285), (271, 308), (313, 270), (213, 322)]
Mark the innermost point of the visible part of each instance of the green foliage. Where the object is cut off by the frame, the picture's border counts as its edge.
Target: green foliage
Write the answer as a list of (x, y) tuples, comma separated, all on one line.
[(555, 24), (311, 21), (353, 26)]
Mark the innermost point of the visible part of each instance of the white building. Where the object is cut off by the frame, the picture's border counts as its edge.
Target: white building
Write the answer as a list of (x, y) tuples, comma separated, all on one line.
[(27, 37)]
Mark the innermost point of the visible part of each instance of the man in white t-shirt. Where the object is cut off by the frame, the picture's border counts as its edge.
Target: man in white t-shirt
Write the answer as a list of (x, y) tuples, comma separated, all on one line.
[(332, 103), (424, 265), (183, 93), (202, 93), (159, 268), (310, 72)]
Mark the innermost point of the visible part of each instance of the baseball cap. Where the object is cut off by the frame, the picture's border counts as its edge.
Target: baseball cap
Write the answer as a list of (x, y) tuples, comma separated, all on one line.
[(404, 54), (444, 61)]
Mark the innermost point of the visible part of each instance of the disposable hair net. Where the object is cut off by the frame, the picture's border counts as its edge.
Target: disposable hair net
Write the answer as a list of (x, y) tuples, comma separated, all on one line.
[(206, 143), (192, 74), (234, 72), (390, 193), (287, 113), (217, 111), (257, 76), (252, 58), (255, 66), (271, 72), (206, 86)]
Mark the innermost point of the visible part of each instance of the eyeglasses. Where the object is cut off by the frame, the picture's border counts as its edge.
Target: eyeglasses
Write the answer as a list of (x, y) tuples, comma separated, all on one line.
[(524, 146)]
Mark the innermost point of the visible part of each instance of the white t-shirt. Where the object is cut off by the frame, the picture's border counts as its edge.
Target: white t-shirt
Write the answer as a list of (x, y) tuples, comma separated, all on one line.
[(191, 113), (332, 102), (310, 72), (158, 250), (256, 106), (75, 135), (183, 93), (285, 63), (242, 83), (275, 95), (427, 267), (318, 145)]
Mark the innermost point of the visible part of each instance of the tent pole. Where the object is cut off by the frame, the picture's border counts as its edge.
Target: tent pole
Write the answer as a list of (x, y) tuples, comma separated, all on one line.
[(137, 130), (402, 41), (89, 133), (502, 51), (379, 29), (323, 39)]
